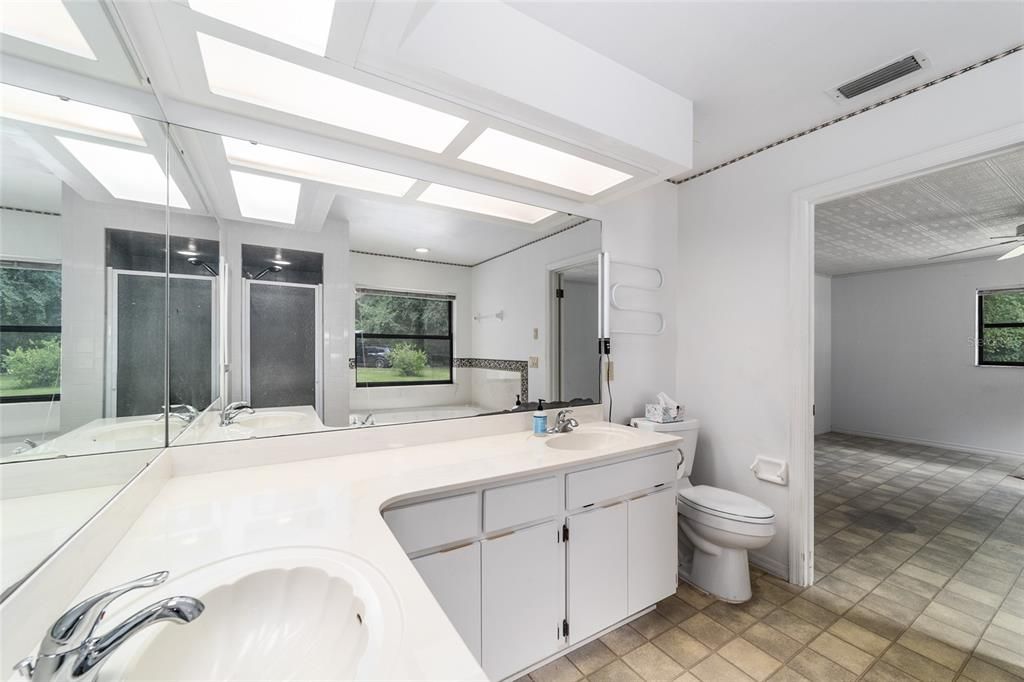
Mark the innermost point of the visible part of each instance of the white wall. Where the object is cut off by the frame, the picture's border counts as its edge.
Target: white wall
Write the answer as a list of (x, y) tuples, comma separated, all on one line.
[(903, 358), (378, 272), (518, 284), (735, 362), (822, 354)]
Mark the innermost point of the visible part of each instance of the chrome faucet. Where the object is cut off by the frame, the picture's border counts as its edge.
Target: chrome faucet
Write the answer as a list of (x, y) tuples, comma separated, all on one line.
[(564, 423), (185, 413), (232, 410), (70, 653)]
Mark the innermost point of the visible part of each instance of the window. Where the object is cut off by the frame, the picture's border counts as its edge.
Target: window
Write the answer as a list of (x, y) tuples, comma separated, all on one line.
[(403, 339), (1001, 327), (29, 331)]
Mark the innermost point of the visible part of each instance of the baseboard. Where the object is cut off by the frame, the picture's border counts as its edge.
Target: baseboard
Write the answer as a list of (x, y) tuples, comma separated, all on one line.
[(769, 565), (930, 443)]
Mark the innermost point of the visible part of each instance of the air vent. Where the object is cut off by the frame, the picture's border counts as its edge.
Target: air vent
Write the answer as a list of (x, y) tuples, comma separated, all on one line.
[(879, 77)]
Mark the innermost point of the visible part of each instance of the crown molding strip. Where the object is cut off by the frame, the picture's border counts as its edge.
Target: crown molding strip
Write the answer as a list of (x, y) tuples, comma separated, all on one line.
[(862, 110)]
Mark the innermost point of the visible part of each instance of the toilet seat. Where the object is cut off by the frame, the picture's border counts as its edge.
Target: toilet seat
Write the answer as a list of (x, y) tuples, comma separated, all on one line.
[(726, 510)]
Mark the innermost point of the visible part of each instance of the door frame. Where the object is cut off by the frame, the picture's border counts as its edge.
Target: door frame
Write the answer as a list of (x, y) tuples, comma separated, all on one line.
[(801, 313), (553, 316), (318, 331)]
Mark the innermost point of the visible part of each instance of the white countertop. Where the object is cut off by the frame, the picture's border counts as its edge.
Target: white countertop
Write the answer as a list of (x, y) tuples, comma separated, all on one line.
[(335, 503)]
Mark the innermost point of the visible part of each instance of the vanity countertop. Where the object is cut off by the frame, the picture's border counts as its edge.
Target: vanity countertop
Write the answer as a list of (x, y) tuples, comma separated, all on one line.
[(335, 503)]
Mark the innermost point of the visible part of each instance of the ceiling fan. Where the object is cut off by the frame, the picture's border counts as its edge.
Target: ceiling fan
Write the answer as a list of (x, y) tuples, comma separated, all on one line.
[(1009, 239)]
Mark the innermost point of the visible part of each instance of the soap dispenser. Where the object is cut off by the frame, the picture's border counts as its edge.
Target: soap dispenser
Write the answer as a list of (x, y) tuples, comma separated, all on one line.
[(540, 419)]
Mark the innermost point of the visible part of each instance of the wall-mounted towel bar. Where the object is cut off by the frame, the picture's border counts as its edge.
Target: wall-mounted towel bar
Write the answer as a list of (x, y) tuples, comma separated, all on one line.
[(500, 315), (658, 316)]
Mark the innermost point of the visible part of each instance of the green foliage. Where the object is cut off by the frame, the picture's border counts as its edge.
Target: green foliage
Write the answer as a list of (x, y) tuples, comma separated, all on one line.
[(34, 364), (409, 360), (382, 314), (1003, 344), (29, 297)]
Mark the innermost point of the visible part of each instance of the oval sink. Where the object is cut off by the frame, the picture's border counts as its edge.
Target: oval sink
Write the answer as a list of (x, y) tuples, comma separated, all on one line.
[(140, 432), (586, 441), (316, 615)]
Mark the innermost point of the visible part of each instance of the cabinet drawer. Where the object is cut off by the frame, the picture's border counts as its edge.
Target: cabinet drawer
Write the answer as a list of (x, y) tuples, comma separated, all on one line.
[(437, 522), (519, 503), (614, 480)]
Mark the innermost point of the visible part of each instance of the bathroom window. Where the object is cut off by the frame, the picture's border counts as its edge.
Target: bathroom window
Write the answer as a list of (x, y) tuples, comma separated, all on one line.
[(1001, 327), (403, 339), (29, 331)]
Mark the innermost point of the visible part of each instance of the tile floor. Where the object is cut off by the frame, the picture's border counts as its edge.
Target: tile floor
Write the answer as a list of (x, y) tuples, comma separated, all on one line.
[(919, 553)]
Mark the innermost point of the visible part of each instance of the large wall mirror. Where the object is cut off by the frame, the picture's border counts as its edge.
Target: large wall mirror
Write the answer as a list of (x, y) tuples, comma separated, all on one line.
[(319, 294)]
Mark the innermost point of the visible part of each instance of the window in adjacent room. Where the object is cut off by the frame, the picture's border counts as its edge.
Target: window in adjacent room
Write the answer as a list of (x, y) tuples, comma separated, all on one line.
[(403, 339), (1001, 327), (29, 331)]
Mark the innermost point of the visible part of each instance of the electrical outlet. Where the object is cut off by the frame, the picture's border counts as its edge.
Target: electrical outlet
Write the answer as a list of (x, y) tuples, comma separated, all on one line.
[(534, 362), (611, 370)]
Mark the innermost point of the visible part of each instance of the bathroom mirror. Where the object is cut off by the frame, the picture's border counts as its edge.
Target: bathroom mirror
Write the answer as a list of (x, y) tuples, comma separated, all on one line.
[(353, 297), (83, 303)]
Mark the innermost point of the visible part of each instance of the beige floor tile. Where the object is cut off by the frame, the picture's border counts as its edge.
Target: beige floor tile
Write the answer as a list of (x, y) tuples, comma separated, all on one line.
[(651, 663), (787, 674), (709, 632), (917, 665), (616, 671), (958, 639), (686, 677), (694, 597), (1005, 619), (975, 593), (591, 657), (623, 639), (963, 604), (1009, 660), (860, 637), (750, 659), (955, 619), (650, 625), (919, 587), (674, 610), (682, 647), (817, 668), (889, 609), (812, 613), (829, 600), (731, 616), (842, 588), (923, 574), (883, 672), (981, 671), (841, 652), (771, 592), (856, 578), (758, 607), (558, 670), (773, 641), (714, 668), (933, 648), (792, 625)]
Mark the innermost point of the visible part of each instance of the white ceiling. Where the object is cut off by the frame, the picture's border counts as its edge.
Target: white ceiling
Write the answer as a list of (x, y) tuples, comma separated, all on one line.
[(758, 71), (911, 221)]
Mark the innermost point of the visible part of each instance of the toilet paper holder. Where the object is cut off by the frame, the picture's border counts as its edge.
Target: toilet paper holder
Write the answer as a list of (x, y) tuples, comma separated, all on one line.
[(771, 470)]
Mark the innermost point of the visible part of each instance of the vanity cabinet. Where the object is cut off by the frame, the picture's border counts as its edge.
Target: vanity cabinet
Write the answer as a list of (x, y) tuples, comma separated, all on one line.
[(527, 569)]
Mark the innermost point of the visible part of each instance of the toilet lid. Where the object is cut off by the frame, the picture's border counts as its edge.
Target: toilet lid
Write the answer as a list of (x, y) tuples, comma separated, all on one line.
[(718, 501)]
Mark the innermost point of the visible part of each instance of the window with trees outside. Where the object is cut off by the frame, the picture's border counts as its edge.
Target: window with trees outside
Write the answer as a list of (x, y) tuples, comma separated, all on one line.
[(403, 339), (1001, 327), (29, 331)]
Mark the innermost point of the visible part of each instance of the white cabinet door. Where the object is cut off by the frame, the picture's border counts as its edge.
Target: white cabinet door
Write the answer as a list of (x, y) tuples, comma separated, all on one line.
[(652, 548), (454, 579), (596, 556), (523, 598)]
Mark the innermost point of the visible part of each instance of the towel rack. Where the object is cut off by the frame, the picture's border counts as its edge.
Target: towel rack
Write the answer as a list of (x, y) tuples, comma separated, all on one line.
[(658, 315), (500, 315)]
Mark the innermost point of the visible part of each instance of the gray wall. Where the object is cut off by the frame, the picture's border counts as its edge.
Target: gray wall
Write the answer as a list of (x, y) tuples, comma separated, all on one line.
[(822, 354)]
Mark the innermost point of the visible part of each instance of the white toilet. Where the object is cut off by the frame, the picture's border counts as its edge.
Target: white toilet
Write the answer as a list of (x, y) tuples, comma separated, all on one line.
[(716, 527)]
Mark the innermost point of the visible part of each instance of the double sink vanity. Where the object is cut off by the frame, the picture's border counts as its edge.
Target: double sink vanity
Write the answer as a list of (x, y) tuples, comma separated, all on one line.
[(476, 558)]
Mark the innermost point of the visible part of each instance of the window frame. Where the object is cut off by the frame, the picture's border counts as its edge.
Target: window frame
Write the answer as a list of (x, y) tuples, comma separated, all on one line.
[(360, 337), (40, 264), (980, 294)]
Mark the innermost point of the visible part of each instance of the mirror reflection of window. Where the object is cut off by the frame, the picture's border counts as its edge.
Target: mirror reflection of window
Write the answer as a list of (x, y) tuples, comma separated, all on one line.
[(29, 331)]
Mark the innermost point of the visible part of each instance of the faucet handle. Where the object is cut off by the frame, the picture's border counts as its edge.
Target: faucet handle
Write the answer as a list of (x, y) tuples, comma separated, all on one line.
[(78, 624), (563, 413)]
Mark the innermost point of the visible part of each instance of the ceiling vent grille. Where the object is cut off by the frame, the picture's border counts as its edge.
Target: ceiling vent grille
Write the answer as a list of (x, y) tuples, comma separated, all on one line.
[(879, 77)]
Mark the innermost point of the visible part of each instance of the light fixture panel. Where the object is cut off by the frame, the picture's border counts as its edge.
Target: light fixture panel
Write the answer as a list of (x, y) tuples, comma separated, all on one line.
[(305, 25), (256, 78), (453, 197), (47, 23), (518, 156), (126, 173), (53, 112), (264, 198)]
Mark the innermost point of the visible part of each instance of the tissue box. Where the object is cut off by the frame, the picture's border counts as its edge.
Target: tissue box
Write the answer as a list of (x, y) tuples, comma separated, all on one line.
[(657, 412)]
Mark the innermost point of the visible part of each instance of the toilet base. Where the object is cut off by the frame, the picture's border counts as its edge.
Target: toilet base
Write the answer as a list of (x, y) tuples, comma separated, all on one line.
[(726, 576)]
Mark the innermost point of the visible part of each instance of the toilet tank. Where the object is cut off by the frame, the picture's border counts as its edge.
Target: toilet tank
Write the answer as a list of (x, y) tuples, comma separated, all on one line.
[(687, 429)]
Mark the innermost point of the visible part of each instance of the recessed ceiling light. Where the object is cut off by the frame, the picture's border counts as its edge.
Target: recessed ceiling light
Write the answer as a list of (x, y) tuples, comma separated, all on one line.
[(189, 253), (52, 111), (249, 76), (305, 25), (278, 261), (422, 250), (46, 23), (264, 198), (452, 197), (504, 152), (126, 173), (277, 160)]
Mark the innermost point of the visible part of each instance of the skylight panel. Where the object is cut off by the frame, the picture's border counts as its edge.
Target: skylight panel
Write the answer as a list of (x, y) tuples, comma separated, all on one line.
[(125, 173), (305, 25), (255, 78), (504, 152), (452, 197), (265, 198), (47, 23), (306, 166), (52, 111)]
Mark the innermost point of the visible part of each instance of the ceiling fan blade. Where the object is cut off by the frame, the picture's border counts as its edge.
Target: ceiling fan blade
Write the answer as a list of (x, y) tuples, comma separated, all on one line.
[(1006, 236), (977, 248), (1019, 251)]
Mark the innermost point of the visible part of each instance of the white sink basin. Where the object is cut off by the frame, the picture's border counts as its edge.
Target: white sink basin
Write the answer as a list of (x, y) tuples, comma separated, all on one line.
[(597, 439), (270, 423), (140, 432), (287, 614)]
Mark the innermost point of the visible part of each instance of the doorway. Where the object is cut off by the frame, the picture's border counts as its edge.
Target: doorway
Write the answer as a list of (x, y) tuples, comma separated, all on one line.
[(575, 296)]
